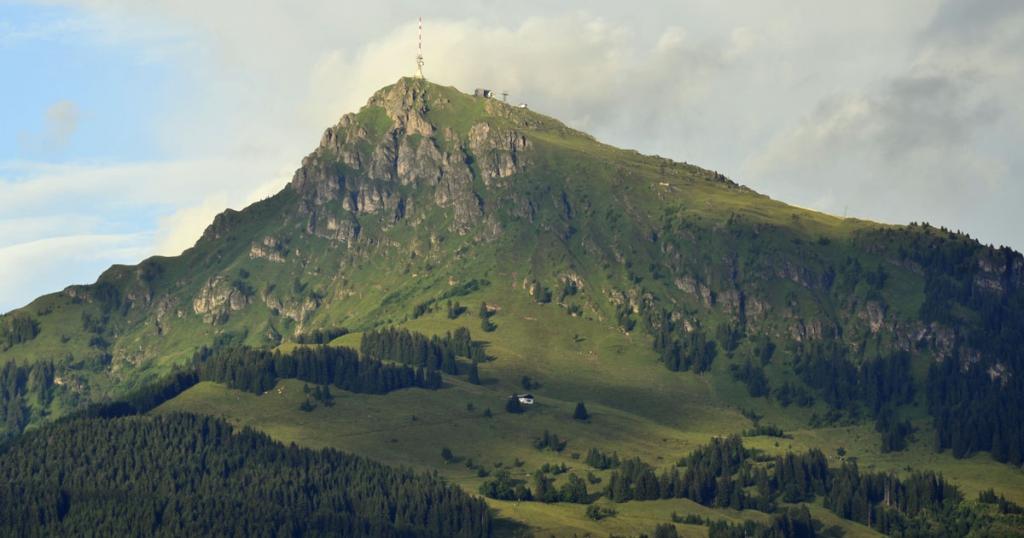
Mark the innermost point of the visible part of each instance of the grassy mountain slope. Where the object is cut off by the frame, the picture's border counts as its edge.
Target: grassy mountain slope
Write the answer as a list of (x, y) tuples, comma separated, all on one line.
[(373, 223), (637, 409), (598, 264)]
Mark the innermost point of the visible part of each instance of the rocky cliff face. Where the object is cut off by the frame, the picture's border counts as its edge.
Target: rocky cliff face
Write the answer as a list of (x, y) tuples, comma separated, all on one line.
[(219, 297), (391, 155), (499, 153)]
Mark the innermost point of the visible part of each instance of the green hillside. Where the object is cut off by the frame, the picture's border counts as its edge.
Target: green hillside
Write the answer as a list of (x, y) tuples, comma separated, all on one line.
[(678, 305)]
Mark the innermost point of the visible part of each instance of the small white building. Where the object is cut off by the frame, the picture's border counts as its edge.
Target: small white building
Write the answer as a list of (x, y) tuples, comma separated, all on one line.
[(525, 399)]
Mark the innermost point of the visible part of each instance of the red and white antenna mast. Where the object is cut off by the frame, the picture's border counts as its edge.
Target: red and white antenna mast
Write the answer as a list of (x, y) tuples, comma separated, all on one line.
[(419, 55)]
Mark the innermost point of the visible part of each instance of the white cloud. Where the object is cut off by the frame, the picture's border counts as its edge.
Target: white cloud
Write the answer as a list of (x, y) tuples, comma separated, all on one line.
[(925, 143), (56, 221), (180, 230), (24, 229), (671, 39), (42, 266), (30, 189), (590, 72), (59, 124), (742, 41), (50, 29), (61, 121)]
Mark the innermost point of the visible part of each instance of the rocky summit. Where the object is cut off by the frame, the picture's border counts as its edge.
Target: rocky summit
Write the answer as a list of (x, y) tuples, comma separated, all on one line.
[(679, 304)]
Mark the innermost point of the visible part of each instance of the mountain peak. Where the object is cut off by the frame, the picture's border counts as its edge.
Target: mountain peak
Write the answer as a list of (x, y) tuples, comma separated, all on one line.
[(415, 142), (408, 92), (447, 106), (407, 102)]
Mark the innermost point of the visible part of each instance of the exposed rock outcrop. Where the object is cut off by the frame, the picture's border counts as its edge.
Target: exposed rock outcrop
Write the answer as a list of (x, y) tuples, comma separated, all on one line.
[(362, 169), (270, 248), (691, 286), (499, 152), (218, 298)]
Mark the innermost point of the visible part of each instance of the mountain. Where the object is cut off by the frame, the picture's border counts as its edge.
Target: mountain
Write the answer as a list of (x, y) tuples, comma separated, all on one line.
[(678, 304)]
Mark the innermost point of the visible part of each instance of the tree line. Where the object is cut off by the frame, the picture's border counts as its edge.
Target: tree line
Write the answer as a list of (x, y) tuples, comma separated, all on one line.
[(22, 388), (416, 349), (972, 412), (976, 394), (257, 370), (791, 523), (880, 385), (27, 390), (725, 474), (876, 382), (602, 460), (688, 351), (16, 329)]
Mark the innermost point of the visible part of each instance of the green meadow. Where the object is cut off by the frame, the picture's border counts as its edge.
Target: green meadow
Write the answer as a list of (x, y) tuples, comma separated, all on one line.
[(637, 408)]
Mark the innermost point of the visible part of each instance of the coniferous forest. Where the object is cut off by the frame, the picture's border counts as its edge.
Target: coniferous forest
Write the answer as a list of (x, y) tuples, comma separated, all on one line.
[(725, 474), (973, 408), (257, 371), (18, 385), (421, 361), (185, 475), (416, 349)]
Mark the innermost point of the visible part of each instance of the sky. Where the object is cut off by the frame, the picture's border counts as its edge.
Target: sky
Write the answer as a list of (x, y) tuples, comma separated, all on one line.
[(125, 126)]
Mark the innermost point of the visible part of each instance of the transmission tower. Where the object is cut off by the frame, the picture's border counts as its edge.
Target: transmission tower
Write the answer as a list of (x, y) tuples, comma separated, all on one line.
[(419, 55)]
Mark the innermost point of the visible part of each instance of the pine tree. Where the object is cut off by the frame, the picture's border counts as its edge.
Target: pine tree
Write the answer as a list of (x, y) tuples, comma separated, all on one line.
[(581, 412), (513, 405), (474, 373), (543, 490), (448, 364), (574, 490), (485, 318), (455, 310), (665, 530), (326, 397)]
